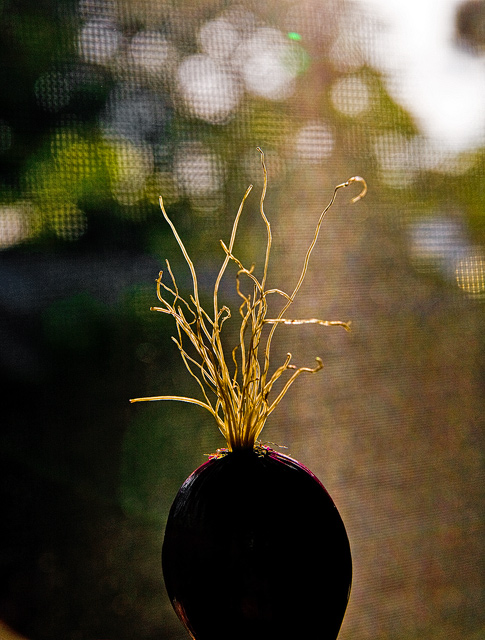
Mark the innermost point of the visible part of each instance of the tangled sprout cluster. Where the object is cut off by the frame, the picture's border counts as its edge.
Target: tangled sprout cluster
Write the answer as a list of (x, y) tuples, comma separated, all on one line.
[(237, 397)]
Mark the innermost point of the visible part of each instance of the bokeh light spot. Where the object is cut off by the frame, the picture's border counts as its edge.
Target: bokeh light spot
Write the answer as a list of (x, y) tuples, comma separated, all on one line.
[(470, 273), (218, 38), (210, 91), (99, 40), (351, 96), (199, 176), (437, 243), (14, 225), (198, 171), (151, 52), (267, 64), (401, 158), (131, 167), (314, 142)]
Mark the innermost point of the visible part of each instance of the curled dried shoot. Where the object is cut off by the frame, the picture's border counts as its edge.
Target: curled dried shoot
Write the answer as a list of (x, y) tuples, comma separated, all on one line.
[(239, 401)]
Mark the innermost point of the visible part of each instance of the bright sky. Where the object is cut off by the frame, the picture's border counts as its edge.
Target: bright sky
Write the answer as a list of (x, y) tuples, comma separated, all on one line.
[(443, 87)]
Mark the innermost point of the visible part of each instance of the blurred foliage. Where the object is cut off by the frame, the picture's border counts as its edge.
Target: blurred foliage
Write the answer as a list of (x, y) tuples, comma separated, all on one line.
[(108, 104)]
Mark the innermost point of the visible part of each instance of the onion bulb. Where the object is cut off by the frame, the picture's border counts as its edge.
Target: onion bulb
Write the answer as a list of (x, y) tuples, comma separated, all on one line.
[(254, 547)]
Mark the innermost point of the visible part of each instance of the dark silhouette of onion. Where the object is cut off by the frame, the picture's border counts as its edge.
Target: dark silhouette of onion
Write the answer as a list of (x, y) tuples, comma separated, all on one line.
[(255, 549)]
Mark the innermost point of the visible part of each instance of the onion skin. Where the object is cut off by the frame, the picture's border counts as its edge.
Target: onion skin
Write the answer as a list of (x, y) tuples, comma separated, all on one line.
[(255, 549)]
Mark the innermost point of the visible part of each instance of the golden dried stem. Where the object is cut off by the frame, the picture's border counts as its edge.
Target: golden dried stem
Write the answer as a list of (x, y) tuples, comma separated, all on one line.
[(241, 399)]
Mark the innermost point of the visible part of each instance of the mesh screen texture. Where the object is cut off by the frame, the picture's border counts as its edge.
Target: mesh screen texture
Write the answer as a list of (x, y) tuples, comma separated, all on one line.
[(105, 106)]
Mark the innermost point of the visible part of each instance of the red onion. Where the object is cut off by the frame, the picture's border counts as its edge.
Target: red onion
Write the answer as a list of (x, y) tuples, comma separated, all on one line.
[(254, 547)]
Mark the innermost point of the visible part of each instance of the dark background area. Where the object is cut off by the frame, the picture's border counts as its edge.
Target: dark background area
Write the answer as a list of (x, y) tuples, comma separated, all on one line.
[(105, 105)]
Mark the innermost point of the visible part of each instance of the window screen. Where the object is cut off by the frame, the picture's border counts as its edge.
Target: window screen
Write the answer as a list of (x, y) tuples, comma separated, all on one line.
[(105, 106)]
